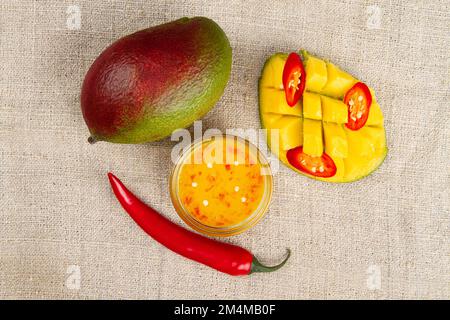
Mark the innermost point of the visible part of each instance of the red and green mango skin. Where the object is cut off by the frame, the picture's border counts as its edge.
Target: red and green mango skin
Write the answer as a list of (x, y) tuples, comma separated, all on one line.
[(147, 84)]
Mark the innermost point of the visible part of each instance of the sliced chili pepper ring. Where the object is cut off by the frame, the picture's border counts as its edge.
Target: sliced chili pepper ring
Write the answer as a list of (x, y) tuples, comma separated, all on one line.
[(358, 99), (294, 76), (323, 166)]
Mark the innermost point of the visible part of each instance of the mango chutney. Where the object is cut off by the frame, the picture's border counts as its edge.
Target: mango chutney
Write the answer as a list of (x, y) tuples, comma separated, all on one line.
[(221, 186)]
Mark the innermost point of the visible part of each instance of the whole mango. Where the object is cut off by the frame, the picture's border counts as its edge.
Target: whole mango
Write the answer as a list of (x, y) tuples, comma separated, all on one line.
[(149, 83)]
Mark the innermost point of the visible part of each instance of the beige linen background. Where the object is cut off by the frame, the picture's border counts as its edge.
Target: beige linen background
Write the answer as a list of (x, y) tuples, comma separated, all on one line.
[(59, 216)]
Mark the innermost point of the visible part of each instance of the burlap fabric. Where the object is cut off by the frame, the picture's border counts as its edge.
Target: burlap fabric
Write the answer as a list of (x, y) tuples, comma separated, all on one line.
[(64, 235)]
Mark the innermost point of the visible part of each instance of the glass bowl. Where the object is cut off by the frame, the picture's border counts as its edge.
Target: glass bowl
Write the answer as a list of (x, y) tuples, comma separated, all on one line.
[(188, 156)]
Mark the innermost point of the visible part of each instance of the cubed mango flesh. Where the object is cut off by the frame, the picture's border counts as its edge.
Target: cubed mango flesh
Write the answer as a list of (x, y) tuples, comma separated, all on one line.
[(334, 110), (338, 82), (357, 167), (366, 141), (375, 115), (272, 76), (336, 144), (274, 101), (290, 132), (270, 119), (312, 106), (316, 74), (312, 137)]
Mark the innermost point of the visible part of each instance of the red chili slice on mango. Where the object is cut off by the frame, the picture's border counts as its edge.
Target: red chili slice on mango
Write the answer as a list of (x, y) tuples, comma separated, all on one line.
[(294, 76), (358, 100), (323, 166)]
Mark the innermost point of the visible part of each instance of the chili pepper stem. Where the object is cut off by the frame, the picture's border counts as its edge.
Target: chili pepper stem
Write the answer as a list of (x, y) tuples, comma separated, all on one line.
[(259, 267)]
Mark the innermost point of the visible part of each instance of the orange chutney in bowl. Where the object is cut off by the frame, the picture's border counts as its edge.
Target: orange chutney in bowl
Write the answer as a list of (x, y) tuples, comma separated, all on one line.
[(221, 186)]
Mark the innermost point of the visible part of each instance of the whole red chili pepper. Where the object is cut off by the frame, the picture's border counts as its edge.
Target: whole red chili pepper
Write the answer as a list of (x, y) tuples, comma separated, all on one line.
[(224, 257)]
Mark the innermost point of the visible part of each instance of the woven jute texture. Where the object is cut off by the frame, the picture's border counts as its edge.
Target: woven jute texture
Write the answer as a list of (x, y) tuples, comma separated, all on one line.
[(64, 235)]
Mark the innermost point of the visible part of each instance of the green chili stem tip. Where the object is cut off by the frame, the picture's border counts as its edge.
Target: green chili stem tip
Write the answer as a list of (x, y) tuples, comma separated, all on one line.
[(259, 267)]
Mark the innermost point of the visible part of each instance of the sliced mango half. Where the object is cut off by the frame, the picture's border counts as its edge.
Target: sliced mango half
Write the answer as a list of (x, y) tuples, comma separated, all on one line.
[(318, 123)]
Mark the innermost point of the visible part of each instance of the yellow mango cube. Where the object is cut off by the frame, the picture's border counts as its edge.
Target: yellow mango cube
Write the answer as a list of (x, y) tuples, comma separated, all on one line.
[(316, 73), (356, 167), (312, 107), (334, 110), (274, 101), (290, 132), (359, 144), (267, 79), (272, 76), (375, 115), (269, 119), (336, 144), (366, 141), (312, 137), (376, 135), (338, 82)]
